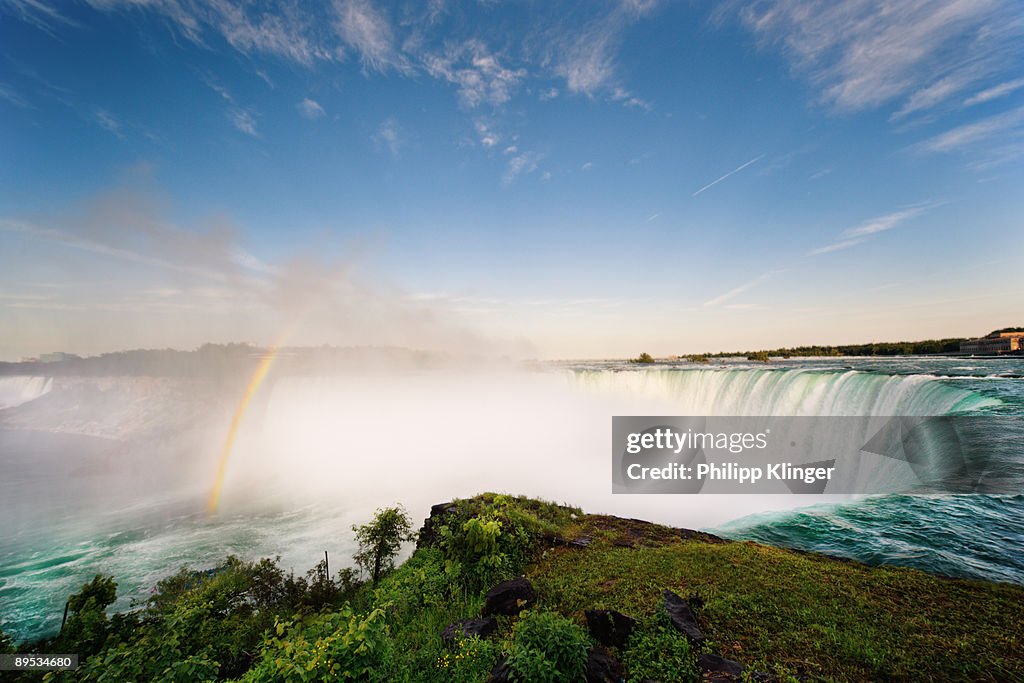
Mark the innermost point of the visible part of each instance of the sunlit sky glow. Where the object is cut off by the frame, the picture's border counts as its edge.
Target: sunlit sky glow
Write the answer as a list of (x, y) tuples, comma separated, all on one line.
[(548, 179)]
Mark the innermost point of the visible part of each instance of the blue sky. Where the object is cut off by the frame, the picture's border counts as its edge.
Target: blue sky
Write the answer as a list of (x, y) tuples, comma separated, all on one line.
[(548, 179)]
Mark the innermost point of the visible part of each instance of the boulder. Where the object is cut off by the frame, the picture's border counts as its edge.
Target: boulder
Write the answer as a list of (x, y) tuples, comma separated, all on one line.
[(602, 667), (509, 598), (682, 618), (715, 668), (609, 627), (467, 628)]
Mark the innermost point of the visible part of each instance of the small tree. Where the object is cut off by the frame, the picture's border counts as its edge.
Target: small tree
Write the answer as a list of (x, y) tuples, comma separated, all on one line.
[(380, 540), (644, 358), (87, 626)]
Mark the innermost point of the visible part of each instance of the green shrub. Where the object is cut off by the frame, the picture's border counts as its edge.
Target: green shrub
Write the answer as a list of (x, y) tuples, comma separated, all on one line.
[(87, 627), (340, 646), (470, 662), (492, 538), (656, 651), (548, 648)]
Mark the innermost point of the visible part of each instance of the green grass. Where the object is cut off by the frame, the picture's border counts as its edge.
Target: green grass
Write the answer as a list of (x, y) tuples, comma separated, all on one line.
[(800, 613)]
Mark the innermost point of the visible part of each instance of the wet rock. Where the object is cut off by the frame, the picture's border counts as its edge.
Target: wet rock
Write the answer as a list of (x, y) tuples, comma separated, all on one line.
[(682, 618), (609, 627), (428, 534), (467, 628), (602, 667), (509, 598)]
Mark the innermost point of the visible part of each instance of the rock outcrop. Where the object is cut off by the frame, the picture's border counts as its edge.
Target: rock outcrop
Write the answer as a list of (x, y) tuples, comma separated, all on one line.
[(682, 617), (509, 598)]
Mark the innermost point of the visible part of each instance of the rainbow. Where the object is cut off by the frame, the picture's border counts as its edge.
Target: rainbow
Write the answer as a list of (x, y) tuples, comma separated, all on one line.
[(262, 369)]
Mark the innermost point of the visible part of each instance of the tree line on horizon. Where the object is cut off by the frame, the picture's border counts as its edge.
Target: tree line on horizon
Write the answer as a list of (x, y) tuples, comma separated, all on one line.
[(902, 348)]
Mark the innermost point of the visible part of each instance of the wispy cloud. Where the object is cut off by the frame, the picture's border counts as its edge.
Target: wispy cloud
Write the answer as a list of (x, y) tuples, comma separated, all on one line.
[(586, 57), (310, 109), (368, 31), (864, 53), (485, 132), (244, 121), (838, 245), (521, 164), (995, 92), (7, 93), (853, 236), (746, 286), (973, 133), (85, 243), (389, 135), (289, 33), (39, 13), (727, 175), (939, 91), (477, 73), (107, 122)]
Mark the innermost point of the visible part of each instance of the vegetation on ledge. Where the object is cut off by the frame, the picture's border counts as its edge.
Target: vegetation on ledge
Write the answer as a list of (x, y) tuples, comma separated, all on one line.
[(791, 615), (642, 358)]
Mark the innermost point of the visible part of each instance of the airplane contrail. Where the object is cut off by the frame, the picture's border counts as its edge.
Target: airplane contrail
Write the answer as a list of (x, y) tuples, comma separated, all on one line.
[(732, 172)]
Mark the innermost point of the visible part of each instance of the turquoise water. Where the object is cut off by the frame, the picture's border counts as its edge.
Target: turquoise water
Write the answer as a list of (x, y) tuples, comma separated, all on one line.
[(63, 524), (977, 536)]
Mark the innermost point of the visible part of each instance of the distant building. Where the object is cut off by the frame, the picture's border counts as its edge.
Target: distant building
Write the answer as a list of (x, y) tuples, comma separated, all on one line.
[(996, 343)]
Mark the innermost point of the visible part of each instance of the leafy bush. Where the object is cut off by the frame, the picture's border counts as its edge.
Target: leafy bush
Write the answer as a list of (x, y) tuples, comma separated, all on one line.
[(643, 358), (548, 648), (656, 651), (340, 646), (380, 540), (420, 582), (470, 662), (492, 537), (87, 627)]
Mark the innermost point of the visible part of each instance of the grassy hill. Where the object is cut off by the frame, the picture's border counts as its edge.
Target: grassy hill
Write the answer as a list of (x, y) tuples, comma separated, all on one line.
[(785, 615)]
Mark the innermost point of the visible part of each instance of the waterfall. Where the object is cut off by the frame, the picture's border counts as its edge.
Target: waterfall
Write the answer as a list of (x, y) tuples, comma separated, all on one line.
[(21, 389), (785, 392)]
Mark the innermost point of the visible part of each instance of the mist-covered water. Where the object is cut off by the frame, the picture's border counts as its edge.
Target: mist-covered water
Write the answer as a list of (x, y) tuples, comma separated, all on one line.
[(100, 478)]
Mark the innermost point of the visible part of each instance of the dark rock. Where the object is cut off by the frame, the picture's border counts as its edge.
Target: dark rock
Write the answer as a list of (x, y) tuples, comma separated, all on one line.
[(602, 667), (509, 598), (720, 670), (428, 534), (555, 540), (500, 673), (715, 668), (682, 617), (609, 627), (468, 628)]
